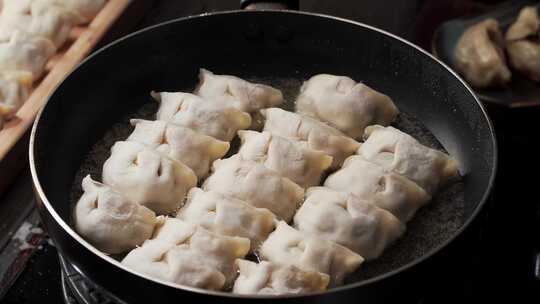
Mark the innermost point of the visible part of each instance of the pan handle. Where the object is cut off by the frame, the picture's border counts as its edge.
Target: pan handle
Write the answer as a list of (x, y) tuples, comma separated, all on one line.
[(270, 4)]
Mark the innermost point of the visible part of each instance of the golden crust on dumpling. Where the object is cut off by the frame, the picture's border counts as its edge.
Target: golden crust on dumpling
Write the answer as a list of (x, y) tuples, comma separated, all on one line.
[(522, 43), (479, 55)]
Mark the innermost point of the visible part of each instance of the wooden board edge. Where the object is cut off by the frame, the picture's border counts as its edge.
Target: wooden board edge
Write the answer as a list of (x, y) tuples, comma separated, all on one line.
[(13, 131)]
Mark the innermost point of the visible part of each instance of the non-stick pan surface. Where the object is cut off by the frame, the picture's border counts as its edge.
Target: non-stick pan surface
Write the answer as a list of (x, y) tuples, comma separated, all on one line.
[(267, 45)]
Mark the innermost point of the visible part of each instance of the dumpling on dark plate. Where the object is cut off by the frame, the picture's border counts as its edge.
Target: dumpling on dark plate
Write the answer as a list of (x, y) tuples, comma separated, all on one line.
[(479, 55), (522, 43)]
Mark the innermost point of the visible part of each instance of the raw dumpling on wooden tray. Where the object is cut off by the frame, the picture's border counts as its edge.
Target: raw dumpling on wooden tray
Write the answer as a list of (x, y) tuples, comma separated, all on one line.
[(14, 89), (25, 53), (38, 19), (31, 31), (83, 11)]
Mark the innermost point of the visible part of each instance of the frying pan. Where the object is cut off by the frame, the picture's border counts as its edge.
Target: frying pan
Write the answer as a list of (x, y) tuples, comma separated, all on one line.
[(116, 80)]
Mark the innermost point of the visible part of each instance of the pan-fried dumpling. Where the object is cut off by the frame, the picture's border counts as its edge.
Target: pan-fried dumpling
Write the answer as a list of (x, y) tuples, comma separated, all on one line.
[(191, 111), (526, 25), (148, 177), (227, 216), (25, 53), (345, 104), (387, 190), (479, 55), (266, 278), (256, 185), (399, 152), (194, 149), (522, 43), (174, 264), (221, 251), (40, 19), (14, 88), (240, 94), (190, 255), (318, 135), (288, 246), (349, 221), (292, 159), (109, 221)]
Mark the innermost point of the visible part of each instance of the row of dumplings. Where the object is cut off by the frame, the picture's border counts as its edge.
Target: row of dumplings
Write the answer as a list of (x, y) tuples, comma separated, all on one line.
[(361, 208), (245, 205), (149, 175), (30, 33)]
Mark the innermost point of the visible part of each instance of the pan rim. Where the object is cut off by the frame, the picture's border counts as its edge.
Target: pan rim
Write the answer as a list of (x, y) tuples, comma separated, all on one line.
[(71, 232)]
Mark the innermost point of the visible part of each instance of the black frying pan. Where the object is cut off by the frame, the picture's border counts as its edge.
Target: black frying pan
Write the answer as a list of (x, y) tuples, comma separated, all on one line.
[(115, 82)]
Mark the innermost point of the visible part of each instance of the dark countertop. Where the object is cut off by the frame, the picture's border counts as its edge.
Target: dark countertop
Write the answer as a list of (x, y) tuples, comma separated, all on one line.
[(505, 270)]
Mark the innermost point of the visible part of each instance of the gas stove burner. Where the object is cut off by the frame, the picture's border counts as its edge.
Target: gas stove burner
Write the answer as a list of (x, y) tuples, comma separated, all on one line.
[(78, 289)]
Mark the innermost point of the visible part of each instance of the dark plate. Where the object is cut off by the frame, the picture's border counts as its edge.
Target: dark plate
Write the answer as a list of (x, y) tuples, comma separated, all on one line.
[(521, 91)]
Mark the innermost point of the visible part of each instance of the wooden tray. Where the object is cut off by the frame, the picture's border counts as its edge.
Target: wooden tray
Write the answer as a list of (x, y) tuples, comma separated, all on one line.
[(14, 135)]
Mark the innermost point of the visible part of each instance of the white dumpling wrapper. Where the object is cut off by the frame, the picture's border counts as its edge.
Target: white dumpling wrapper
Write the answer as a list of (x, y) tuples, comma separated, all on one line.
[(266, 278), (188, 254), (288, 246), (175, 264), (227, 216), (109, 221), (23, 52), (39, 19), (318, 135), (348, 105), (256, 185), (148, 177), (194, 149), (399, 152), (292, 159), (345, 219), (220, 251), (387, 190), (196, 113), (83, 10), (14, 90), (236, 92)]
